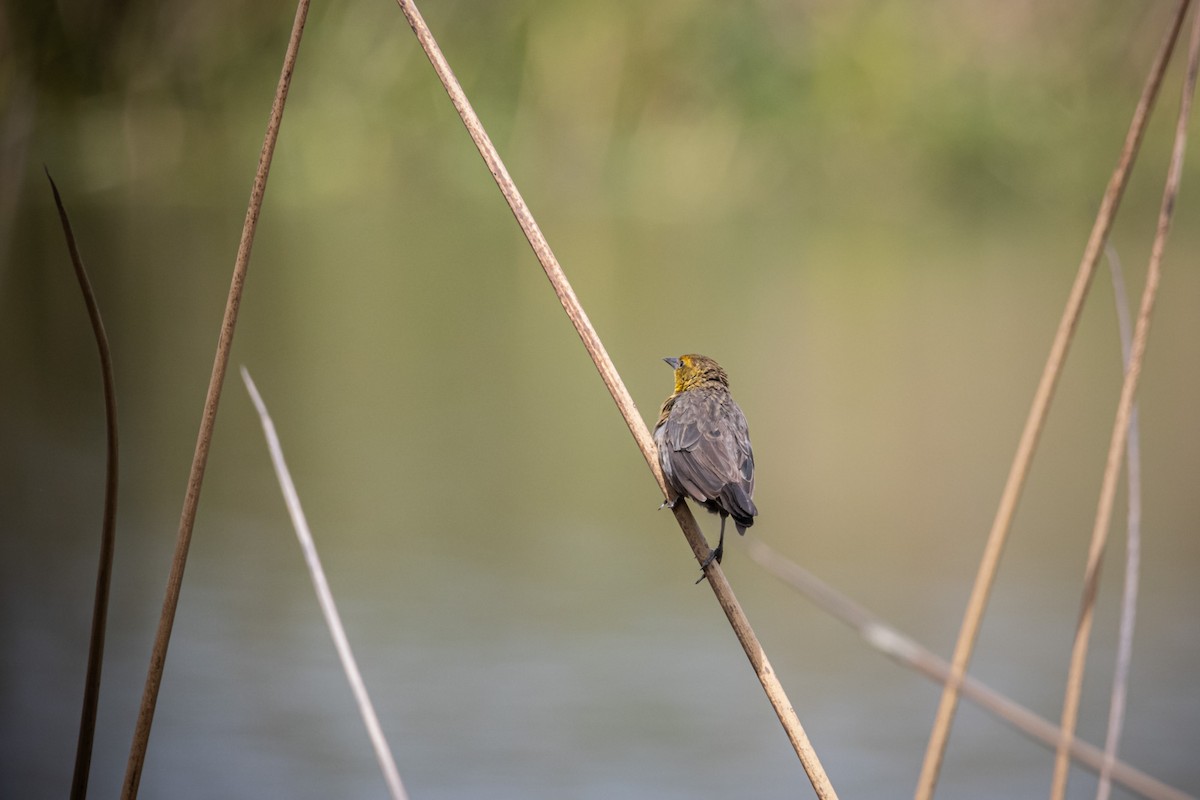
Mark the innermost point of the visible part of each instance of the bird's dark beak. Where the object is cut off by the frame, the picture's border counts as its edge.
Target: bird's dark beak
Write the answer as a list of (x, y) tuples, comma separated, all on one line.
[(674, 362)]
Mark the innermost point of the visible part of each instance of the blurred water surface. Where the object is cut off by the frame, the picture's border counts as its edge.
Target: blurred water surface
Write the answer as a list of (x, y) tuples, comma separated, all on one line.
[(870, 216)]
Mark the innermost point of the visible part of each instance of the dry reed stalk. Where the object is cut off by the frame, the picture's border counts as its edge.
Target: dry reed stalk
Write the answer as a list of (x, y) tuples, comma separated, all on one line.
[(990, 562), (906, 651), (1133, 547), (108, 524), (616, 387), (1116, 445), (333, 619), (158, 654)]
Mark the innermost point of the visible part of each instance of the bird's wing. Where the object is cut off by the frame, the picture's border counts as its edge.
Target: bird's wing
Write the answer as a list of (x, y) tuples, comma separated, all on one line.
[(710, 455)]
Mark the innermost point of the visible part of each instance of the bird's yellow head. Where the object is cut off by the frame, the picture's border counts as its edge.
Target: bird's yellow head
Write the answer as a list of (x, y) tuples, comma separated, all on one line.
[(694, 370)]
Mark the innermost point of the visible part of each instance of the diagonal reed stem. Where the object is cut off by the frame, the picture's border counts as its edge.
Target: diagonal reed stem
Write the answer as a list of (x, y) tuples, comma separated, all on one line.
[(1116, 445), (1133, 547), (616, 387), (990, 563), (291, 498), (108, 525), (906, 651), (158, 654)]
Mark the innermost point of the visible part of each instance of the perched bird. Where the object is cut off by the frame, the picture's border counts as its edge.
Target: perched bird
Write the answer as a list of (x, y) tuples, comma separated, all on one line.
[(704, 445)]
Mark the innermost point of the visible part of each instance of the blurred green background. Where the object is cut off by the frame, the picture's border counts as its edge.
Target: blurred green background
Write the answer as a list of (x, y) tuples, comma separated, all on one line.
[(869, 212)]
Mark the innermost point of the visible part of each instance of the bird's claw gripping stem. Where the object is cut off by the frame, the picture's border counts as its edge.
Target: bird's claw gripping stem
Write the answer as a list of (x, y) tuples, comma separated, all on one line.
[(714, 555)]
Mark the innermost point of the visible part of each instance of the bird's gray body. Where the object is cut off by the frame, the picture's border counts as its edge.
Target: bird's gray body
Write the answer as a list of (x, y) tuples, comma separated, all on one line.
[(704, 449)]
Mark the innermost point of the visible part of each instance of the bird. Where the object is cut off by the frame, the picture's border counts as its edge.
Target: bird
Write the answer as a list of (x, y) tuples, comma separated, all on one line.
[(704, 445)]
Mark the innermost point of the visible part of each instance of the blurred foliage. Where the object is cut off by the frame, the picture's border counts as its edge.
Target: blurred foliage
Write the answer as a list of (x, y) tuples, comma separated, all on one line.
[(708, 106)]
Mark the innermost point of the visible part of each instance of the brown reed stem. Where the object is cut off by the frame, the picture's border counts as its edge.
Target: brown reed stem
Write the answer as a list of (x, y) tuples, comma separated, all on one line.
[(986, 574), (312, 559), (108, 524), (1116, 445), (1133, 547), (158, 655), (906, 651), (616, 387)]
